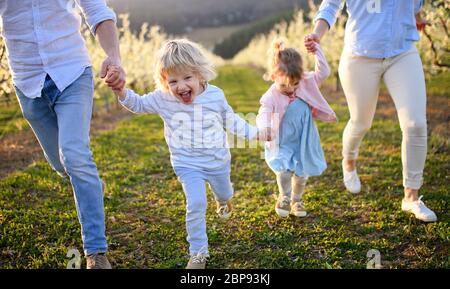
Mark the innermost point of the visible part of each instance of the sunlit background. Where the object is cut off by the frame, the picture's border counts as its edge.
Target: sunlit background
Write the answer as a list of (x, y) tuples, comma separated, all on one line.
[(144, 203)]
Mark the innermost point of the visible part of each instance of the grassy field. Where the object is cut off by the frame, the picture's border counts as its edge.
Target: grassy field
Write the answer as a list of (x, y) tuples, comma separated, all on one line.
[(11, 119), (145, 204)]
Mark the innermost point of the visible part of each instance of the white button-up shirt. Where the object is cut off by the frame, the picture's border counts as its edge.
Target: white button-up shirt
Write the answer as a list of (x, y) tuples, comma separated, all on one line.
[(43, 37), (377, 28)]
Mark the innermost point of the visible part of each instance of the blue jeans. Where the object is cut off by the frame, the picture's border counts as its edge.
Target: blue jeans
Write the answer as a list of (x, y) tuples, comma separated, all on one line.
[(193, 182), (61, 123)]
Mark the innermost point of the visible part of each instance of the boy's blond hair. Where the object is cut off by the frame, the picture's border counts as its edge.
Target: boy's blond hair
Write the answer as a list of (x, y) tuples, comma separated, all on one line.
[(180, 54)]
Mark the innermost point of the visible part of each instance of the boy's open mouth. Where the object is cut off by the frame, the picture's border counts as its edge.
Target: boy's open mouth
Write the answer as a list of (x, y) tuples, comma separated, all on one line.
[(186, 96)]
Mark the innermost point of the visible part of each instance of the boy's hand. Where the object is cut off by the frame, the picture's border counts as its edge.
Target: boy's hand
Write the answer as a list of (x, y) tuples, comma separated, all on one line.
[(265, 134), (113, 80)]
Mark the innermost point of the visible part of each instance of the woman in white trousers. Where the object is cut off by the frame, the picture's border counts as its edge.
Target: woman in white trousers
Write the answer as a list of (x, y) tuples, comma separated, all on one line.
[(379, 44)]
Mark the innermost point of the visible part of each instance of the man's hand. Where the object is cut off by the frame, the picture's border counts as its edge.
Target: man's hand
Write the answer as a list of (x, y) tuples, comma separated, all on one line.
[(113, 74), (310, 41), (107, 36), (114, 80)]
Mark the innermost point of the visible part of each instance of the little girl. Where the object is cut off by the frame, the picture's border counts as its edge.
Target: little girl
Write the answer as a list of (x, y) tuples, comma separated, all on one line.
[(287, 111), (195, 114)]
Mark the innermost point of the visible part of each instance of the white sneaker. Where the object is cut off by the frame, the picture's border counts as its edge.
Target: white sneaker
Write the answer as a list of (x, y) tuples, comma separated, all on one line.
[(197, 261), (224, 209), (351, 181), (419, 209)]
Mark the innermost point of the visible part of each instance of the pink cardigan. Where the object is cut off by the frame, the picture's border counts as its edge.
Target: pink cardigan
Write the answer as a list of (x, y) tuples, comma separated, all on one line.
[(274, 103)]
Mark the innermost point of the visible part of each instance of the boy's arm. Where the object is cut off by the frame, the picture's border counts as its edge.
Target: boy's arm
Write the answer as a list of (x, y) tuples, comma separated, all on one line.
[(236, 125), (322, 69), (140, 104), (133, 102)]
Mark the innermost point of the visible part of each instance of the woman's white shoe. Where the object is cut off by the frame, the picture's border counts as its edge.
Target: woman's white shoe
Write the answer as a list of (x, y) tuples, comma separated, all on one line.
[(351, 181), (419, 209)]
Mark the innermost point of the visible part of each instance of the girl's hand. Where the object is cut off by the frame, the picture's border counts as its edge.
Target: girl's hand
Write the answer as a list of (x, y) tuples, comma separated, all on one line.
[(311, 40), (265, 134)]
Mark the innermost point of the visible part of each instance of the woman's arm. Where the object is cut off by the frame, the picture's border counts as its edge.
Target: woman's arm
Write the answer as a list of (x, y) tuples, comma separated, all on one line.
[(325, 18), (320, 29)]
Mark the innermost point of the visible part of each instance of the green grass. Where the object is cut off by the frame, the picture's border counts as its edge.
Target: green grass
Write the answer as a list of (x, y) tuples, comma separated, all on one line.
[(11, 119), (145, 209), (438, 84)]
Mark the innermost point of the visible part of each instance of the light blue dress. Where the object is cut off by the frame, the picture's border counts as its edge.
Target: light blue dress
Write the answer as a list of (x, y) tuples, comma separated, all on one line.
[(298, 147)]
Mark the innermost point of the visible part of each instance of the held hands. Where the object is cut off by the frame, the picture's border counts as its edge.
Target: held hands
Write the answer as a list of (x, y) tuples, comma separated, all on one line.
[(113, 74), (115, 79), (265, 134), (310, 41)]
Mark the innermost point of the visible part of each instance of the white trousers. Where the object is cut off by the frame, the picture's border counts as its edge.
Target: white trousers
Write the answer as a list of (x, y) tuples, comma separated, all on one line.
[(193, 182), (404, 78)]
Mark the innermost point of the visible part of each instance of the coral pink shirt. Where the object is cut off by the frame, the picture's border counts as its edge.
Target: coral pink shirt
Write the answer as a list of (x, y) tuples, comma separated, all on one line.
[(274, 103)]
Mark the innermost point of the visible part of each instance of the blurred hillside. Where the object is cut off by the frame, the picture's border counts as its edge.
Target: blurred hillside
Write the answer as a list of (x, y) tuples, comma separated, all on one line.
[(182, 16)]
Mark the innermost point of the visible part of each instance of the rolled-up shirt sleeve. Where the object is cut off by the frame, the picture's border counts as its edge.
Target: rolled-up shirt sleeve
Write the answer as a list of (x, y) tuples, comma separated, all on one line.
[(95, 12), (418, 4), (328, 11)]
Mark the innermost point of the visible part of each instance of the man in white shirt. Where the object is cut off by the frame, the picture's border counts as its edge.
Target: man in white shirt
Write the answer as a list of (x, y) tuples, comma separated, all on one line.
[(52, 75)]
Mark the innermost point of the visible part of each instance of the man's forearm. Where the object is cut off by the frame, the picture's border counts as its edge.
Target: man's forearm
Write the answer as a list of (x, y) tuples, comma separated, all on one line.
[(108, 38)]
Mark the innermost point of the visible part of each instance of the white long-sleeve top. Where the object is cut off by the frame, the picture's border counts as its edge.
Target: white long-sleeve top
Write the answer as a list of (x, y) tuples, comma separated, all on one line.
[(43, 37), (195, 133)]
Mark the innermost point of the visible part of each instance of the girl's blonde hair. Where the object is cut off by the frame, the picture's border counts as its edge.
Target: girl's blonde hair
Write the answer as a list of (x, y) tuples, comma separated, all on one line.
[(178, 55), (284, 62)]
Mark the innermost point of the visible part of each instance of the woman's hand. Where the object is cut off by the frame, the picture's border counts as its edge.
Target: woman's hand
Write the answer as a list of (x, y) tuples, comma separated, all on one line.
[(421, 23), (310, 41)]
